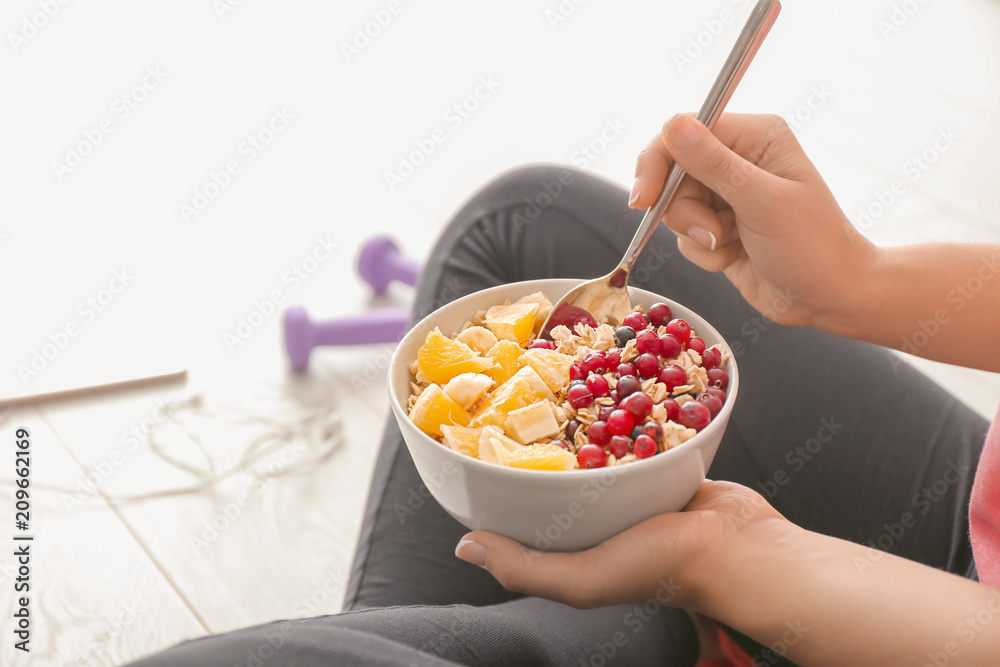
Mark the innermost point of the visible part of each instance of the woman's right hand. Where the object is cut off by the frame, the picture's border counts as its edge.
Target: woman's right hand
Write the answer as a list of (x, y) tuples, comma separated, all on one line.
[(754, 207)]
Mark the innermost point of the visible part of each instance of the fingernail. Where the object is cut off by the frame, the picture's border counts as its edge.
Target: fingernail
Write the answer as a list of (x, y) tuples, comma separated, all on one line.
[(635, 193), (682, 132), (702, 236), (471, 552)]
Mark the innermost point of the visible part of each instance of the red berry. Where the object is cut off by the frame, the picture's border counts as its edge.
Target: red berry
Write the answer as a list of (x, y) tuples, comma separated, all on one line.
[(579, 396), (679, 328), (713, 404), (659, 314), (653, 430), (598, 385), (673, 410), (614, 358), (614, 396), (598, 433), (718, 393), (542, 344), (620, 445), (571, 427), (696, 344), (670, 347), (628, 384), (605, 412), (626, 369), (637, 321), (644, 447), (576, 372), (718, 378), (639, 405), (647, 365), (595, 362), (591, 456), (711, 358), (621, 422), (672, 376), (694, 414), (647, 341), (564, 444)]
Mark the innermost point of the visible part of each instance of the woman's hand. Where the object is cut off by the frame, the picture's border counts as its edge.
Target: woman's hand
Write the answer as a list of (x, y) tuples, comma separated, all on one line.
[(731, 557), (666, 558), (755, 207)]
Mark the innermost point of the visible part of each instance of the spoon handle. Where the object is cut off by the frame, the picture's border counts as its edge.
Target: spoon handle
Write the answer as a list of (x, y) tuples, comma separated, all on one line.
[(754, 32)]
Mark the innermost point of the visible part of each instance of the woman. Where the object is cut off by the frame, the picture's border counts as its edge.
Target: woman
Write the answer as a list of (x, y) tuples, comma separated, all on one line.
[(841, 533)]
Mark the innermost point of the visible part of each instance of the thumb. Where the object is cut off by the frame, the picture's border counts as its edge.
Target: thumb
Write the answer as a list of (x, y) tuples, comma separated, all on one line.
[(709, 161)]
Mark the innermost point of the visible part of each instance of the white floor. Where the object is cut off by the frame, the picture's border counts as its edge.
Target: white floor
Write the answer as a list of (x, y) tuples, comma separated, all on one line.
[(172, 170)]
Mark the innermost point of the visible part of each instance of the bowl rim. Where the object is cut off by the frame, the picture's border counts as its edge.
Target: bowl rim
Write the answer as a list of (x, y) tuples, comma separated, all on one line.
[(582, 475)]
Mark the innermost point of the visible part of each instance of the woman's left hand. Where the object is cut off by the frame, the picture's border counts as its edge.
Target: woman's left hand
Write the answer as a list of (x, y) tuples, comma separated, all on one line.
[(666, 558)]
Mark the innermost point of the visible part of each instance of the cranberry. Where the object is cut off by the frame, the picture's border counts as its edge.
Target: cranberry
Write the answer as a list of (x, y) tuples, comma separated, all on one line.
[(636, 432), (639, 405), (576, 372), (718, 393), (644, 447), (595, 362), (598, 433), (672, 407), (565, 444), (614, 396), (623, 335), (696, 344), (628, 384), (679, 328), (626, 369), (571, 427), (694, 414), (620, 445), (672, 376), (647, 341), (620, 422), (713, 404), (614, 358), (659, 314), (673, 410), (670, 347), (637, 321), (542, 344), (591, 456), (647, 365), (605, 412), (711, 358), (718, 378), (598, 385), (579, 396), (652, 430)]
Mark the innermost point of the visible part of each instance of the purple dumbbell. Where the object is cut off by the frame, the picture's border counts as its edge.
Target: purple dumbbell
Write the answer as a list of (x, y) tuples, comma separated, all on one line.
[(376, 326), (381, 262)]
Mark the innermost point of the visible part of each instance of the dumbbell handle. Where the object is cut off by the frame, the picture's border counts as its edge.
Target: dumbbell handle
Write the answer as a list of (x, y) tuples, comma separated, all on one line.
[(376, 326)]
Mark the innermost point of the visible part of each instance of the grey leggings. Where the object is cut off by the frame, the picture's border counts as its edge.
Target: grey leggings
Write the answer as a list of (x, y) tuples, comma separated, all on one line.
[(840, 436)]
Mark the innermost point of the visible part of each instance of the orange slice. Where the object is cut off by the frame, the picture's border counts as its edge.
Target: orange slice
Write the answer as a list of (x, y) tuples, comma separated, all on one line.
[(440, 359), (506, 356), (461, 439), (434, 408), (545, 456), (552, 366), (511, 395), (513, 322)]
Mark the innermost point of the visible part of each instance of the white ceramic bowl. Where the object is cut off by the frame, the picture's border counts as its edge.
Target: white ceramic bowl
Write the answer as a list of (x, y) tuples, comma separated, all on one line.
[(553, 510)]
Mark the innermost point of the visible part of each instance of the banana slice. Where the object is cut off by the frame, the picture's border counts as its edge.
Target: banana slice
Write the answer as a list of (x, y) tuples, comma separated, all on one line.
[(531, 423)]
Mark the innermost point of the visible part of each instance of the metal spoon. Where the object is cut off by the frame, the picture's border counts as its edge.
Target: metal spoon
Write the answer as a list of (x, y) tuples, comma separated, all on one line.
[(607, 297)]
